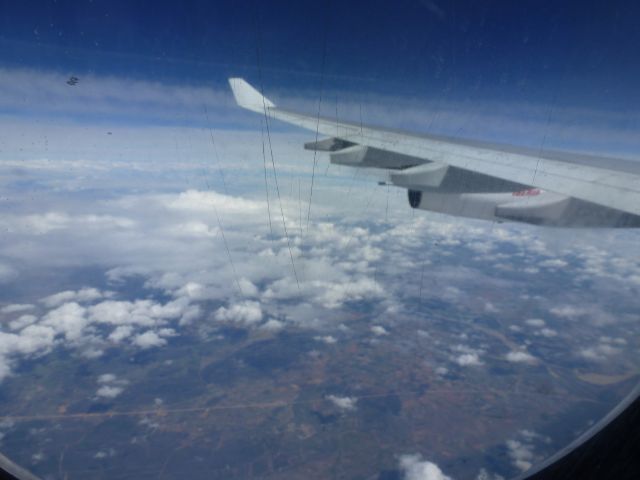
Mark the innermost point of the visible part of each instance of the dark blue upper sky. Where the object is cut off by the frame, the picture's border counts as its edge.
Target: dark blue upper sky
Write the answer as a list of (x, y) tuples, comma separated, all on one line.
[(584, 52)]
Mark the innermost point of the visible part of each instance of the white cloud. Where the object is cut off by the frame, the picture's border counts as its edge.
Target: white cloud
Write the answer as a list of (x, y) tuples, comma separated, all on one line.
[(148, 339), (490, 308), (520, 356), (22, 321), (272, 325), (344, 403), (120, 333), (547, 332), (535, 322), (247, 313), (569, 311), (110, 386), (109, 391), (416, 468), (107, 378), (83, 295), (68, 319), (468, 360), (600, 352), (107, 453), (16, 307), (553, 263), (484, 475), (328, 339), (521, 454), (379, 330)]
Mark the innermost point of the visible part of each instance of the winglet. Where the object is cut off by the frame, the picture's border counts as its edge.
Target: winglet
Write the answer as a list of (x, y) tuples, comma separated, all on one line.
[(248, 97)]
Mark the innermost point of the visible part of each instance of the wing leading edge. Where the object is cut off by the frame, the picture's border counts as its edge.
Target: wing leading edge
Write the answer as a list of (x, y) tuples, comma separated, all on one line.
[(598, 185)]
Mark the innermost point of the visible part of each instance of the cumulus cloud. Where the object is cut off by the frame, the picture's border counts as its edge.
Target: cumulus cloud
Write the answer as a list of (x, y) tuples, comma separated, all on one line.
[(272, 325), (109, 391), (247, 313), (105, 453), (110, 386), (344, 403), (554, 263), (68, 320), (485, 475), (379, 330), (569, 311), (79, 296), (521, 450), (520, 356), (107, 378), (468, 356), (599, 352), (535, 322), (148, 339), (31, 341), (120, 333), (468, 360), (547, 332), (521, 454), (16, 307), (328, 339), (22, 321), (416, 468)]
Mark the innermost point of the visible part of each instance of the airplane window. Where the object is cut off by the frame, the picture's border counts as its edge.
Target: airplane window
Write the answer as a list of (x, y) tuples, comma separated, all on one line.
[(315, 240)]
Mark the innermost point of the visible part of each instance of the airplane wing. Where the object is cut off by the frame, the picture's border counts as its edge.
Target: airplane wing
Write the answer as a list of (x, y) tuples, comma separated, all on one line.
[(422, 163)]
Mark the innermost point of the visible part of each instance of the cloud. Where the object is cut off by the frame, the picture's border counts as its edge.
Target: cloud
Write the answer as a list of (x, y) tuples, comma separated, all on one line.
[(379, 330), (81, 327), (109, 391), (468, 357), (416, 468), (106, 453), (16, 307), (107, 378), (547, 332), (247, 313), (22, 321), (485, 475), (328, 339), (148, 339), (553, 263), (535, 322), (68, 320), (599, 352), (83, 295), (521, 450), (120, 333), (272, 325), (45, 93), (344, 403), (569, 311), (468, 360), (110, 386), (520, 356), (521, 454)]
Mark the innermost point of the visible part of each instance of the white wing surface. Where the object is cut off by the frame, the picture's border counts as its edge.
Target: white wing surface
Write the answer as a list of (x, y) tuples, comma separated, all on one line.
[(596, 184)]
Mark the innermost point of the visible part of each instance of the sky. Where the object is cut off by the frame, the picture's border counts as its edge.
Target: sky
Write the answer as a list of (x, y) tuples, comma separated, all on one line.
[(146, 169), (576, 54)]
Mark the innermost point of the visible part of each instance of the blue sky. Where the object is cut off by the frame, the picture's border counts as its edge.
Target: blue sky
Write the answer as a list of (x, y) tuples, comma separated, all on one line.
[(578, 53)]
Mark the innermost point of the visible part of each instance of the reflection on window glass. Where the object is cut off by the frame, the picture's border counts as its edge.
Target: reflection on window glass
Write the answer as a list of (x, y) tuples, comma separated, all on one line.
[(399, 244)]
